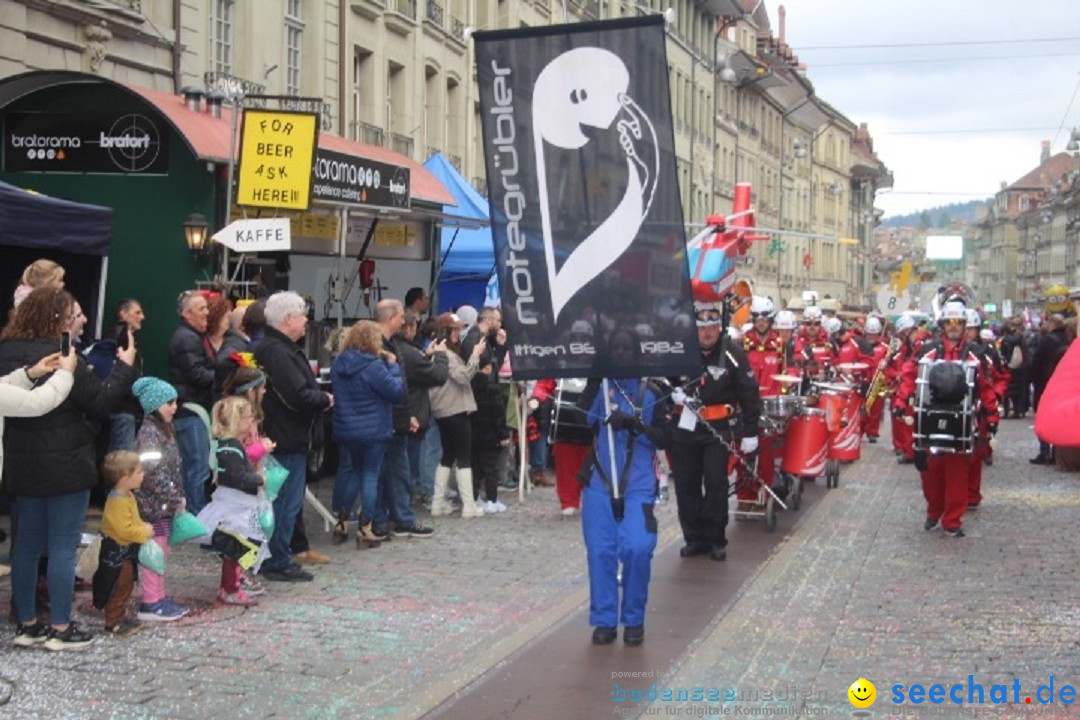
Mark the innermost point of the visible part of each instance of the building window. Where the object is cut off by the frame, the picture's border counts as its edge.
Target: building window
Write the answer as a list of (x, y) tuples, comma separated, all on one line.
[(294, 45), (221, 30)]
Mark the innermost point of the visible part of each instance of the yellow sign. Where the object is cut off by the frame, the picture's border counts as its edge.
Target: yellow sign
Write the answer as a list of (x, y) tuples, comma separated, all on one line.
[(394, 235), (302, 224), (277, 154), (899, 281)]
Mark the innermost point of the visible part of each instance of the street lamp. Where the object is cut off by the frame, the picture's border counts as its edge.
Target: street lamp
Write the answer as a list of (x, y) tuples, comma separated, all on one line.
[(195, 233)]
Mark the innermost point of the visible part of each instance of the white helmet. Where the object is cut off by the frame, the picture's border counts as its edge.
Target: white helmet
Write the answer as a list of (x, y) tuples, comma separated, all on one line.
[(873, 326), (708, 314), (785, 320), (972, 318), (953, 310), (761, 305), (986, 334), (905, 322), (811, 313), (833, 325)]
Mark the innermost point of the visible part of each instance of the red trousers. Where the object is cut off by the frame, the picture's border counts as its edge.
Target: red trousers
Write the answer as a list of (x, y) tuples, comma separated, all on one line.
[(568, 460), (766, 468), (975, 469), (871, 421), (902, 438), (945, 487)]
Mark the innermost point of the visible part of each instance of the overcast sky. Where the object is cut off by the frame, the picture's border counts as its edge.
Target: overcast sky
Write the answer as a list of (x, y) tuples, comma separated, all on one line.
[(922, 114)]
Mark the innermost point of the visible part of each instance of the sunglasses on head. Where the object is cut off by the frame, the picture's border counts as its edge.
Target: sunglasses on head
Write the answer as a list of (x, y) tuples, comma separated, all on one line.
[(706, 315)]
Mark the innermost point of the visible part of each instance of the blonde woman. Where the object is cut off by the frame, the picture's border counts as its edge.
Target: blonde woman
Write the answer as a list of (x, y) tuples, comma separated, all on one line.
[(40, 273), (367, 382)]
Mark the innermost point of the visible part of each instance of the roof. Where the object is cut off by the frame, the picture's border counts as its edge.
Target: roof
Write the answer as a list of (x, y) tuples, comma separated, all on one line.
[(1044, 176), (32, 220), (465, 251), (208, 136)]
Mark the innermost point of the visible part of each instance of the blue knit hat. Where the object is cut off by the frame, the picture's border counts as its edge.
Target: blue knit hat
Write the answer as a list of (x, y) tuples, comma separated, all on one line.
[(152, 393)]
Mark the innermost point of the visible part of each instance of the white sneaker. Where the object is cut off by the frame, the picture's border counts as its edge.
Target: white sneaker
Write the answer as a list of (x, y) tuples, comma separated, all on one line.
[(567, 512), (496, 506), (488, 507)]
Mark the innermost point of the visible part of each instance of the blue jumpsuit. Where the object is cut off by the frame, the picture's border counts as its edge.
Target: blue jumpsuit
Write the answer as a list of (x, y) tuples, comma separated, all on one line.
[(631, 541)]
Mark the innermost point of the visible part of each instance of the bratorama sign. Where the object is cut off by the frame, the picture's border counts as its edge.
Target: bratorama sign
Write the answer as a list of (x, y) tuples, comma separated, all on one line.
[(100, 143), (585, 209)]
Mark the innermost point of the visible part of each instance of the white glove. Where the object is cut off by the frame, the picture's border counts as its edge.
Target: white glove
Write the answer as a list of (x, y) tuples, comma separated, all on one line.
[(748, 445), (678, 396)]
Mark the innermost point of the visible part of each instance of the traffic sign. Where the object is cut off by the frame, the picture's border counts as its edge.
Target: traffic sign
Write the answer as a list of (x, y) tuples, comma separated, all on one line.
[(892, 302), (277, 153), (256, 235)]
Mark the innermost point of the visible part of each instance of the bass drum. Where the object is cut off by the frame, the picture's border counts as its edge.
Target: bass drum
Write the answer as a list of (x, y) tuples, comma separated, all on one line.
[(569, 423)]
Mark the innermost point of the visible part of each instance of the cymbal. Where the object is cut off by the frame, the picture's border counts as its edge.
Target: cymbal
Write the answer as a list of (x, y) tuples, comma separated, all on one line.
[(851, 367), (787, 378), (838, 387)]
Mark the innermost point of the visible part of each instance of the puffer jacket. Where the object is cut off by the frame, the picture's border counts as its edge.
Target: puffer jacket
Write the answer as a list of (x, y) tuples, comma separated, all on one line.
[(19, 397), (54, 454), (455, 396), (365, 390), (191, 368), (163, 486)]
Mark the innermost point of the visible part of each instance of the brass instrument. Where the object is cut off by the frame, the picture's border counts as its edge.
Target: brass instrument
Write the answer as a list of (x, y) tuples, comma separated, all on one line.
[(877, 383)]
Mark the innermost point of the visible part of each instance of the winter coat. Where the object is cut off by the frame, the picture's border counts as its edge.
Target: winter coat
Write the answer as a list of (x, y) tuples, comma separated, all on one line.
[(365, 390), (422, 371), (54, 454), (293, 404), (224, 365), (455, 396), (1051, 348), (163, 484), (489, 421), (191, 368), (19, 397)]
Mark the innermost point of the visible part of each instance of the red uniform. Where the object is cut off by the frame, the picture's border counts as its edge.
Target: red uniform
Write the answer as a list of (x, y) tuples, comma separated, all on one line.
[(874, 353), (765, 353), (814, 354), (945, 480), (902, 433)]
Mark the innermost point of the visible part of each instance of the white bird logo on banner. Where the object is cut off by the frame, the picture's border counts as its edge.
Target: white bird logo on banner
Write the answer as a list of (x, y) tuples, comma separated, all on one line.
[(587, 86)]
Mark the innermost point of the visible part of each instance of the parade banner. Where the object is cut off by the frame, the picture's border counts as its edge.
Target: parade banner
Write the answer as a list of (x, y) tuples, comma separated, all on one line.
[(585, 210)]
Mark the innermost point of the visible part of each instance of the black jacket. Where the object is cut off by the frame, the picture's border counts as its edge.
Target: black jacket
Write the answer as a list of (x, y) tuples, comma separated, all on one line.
[(727, 379), (234, 470), (293, 404), (489, 421), (191, 368), (422, 371), (224, 365), (1048, 352), (54, 454)]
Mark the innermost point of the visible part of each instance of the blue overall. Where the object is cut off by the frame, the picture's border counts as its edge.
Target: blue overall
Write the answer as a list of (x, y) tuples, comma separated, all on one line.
[(629, 541)]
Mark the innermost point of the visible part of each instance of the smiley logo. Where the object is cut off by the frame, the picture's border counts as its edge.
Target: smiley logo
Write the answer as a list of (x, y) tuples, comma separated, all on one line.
[(862, 693)]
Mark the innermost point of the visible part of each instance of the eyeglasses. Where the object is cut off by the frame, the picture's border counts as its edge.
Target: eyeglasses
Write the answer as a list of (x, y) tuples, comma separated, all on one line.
[(955, 321), (812, 322), (759, 315)]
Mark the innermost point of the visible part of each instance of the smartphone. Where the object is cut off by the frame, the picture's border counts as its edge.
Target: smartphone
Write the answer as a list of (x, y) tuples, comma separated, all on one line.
[(65, 343), (443, 335), (122, 334)]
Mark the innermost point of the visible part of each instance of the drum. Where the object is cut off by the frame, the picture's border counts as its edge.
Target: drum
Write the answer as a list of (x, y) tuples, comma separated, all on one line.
[(569, 423), (945, 407), (806, 443), (781, 407), (845, 442)]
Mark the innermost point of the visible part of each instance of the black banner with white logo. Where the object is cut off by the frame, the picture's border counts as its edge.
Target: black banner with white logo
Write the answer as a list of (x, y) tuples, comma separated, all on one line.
[(356, 181), (85, 143), (585, 210)]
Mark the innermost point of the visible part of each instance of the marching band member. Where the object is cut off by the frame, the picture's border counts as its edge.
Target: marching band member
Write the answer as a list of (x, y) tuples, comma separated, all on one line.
[(699, 460), (763, 351), (814, 353), (785, 326), (945, 475), (873, 352)]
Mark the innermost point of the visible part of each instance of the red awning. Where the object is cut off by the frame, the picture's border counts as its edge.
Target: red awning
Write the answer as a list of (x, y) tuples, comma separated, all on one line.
[(208, 138)]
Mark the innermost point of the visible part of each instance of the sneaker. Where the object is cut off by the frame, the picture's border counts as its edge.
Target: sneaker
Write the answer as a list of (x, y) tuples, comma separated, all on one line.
[(251, 585), (415, 530), (871, 439), (718, 553), (239, 598), (383, 534), (177, 607), (292, 573), (1041, 460), (693, 550), (497, 505), (604, 635), (313, 557), (28, 635), (634, 635), (954, 532), (74, 638), (930, 524), (905, 461), (973, 506), (570, 511), (161, 611), (125, 628)]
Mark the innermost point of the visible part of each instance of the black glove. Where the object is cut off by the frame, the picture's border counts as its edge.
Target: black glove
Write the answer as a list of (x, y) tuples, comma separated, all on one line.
[(899, 411), (619, 420), (992, 429), (921, 461)]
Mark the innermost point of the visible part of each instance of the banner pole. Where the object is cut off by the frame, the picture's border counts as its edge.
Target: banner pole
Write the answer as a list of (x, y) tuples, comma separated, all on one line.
[(611, 442), (523, 421)]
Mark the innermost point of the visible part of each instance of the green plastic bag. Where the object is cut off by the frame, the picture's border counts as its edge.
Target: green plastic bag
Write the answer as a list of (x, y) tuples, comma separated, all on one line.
[(152, 557), (266, 518), (186, 526), (275, 474)]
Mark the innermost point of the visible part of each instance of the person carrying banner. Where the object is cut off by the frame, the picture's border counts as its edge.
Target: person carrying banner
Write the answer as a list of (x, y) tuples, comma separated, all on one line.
[(705, 431), (764, 353)]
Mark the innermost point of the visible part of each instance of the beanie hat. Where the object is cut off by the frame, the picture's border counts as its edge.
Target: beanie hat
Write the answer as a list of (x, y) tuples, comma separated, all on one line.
[(152, 393)]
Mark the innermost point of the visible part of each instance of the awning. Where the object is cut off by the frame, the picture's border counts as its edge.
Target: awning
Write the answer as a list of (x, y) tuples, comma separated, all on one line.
[(208, 136)]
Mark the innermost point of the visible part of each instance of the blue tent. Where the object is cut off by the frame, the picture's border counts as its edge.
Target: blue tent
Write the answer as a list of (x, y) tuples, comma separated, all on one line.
[(469, 253)]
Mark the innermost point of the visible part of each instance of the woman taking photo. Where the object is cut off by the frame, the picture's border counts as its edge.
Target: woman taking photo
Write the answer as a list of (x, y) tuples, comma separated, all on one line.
[(451, 404), (49, 466), (367, 382)]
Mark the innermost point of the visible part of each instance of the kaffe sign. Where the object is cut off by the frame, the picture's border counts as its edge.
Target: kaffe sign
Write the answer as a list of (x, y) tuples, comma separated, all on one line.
[(100, 143), (585, 201), (358, 181), (256, 235), (277, 150)]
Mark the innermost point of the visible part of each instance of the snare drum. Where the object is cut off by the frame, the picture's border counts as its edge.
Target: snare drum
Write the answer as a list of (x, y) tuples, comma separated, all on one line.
[(806, 443), (781, 406)]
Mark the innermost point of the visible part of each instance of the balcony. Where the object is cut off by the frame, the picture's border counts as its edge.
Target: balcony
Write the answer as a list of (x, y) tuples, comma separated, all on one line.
[(434, 13), (372, 134), (400, 16), (457, 28), (401, 144)]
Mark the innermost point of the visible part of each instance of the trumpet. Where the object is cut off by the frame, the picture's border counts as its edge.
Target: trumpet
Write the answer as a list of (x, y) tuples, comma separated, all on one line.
[(877, 383)]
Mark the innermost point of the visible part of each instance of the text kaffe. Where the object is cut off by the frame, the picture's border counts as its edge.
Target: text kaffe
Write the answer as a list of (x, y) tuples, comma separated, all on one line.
[(260, 235)]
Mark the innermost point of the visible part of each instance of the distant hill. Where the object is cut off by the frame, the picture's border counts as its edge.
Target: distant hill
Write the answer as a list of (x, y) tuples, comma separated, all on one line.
[(939, 216)]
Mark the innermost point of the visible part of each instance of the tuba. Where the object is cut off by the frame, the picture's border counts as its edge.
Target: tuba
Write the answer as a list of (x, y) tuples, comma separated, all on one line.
[(954, 291)]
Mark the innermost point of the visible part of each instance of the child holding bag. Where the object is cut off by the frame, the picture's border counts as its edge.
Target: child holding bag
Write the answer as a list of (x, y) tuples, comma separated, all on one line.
[(124, 531), (236, 509), (162, 492)]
